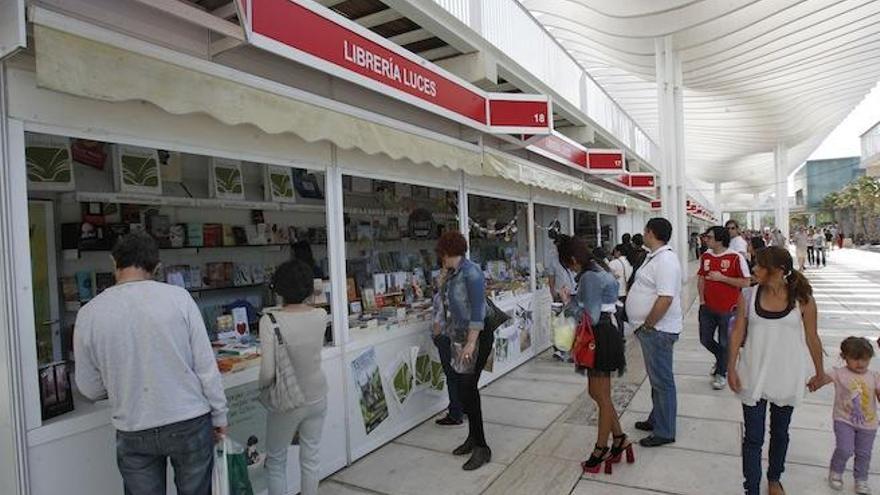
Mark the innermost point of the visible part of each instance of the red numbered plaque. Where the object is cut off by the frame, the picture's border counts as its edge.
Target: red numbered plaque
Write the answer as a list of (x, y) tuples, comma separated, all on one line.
[(606, 161), (561, 149)]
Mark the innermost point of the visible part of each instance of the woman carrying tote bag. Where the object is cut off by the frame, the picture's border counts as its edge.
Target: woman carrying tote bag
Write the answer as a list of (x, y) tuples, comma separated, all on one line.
[(297, 329)]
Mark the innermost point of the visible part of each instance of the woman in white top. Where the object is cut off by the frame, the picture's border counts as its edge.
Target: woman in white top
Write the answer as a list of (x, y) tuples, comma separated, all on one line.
[(773, 344), (622, 271), (302, 328)]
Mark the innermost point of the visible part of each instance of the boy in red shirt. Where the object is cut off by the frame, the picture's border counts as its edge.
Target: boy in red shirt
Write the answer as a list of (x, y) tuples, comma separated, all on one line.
[(723, 274)]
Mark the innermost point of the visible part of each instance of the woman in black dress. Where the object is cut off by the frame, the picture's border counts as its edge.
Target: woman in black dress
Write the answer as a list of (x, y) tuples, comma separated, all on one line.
[(596, 299)]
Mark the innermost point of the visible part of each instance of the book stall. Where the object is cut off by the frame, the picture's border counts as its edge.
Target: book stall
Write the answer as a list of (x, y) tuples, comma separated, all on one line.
[(229, 192)]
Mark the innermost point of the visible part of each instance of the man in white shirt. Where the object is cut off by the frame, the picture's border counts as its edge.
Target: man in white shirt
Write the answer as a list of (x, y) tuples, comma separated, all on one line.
[(738, 243), (653, 305), (801, 239), (143, 345)]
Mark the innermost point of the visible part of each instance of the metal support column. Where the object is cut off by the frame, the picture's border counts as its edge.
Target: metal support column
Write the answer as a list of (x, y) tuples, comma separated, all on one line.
[(716, 200), (780, 162), (672, 183)]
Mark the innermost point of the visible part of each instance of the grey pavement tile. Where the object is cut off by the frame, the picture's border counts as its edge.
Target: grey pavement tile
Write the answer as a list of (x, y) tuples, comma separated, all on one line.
[(334, 488), (565, 441), (531, 475), (814, 448), (513, 388), (718, 437), (507, 442), (397, 469), (722, 408), (602, 487), (522, 413)]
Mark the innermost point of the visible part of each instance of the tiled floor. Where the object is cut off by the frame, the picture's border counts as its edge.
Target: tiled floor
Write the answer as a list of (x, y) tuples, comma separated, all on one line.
[(539, 422)]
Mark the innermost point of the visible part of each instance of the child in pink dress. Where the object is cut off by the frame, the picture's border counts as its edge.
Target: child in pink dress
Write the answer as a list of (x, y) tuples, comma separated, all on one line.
[(856, 390)]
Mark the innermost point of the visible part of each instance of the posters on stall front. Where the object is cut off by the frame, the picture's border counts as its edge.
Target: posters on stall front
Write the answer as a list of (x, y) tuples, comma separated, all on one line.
[(368, 379)]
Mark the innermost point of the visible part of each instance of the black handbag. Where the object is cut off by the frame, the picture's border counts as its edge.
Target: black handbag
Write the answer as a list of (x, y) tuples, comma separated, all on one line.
[(494, 317)]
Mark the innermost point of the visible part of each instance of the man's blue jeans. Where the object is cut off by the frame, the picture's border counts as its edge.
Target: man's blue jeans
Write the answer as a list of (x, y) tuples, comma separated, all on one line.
[(444, 347), (142, 457), (710, 324), (657, 351), (754, 418)]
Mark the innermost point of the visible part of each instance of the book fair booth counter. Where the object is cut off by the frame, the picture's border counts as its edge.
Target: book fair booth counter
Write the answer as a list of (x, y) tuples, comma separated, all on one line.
[(228, 203)]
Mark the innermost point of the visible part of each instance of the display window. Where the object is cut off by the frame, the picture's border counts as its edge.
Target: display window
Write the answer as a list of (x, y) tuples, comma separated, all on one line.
[(222, 227), (586, 226), (391, 231), (610, 238), (499, 243), (550, 222)]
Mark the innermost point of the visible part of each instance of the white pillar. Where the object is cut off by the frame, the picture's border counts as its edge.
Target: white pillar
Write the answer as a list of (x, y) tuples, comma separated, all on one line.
[(670, 99), (717, 201), (780, 162)]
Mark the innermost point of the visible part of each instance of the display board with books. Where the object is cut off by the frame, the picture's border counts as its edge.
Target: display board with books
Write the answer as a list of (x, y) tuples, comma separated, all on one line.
[(391, 230), (222, 227), (499, 242)]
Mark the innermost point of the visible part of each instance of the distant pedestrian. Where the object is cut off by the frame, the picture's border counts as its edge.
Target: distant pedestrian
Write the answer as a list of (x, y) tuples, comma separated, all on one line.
[(819, 246), (800, 245), (720, 279), (738, 243), (855, 412), (811, 247), (840, 238), (773, 340), (829, 238), (653, 306)]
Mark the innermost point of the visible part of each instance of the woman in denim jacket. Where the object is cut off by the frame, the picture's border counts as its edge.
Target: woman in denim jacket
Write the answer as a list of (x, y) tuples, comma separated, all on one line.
[(463, 296), (596, 298)]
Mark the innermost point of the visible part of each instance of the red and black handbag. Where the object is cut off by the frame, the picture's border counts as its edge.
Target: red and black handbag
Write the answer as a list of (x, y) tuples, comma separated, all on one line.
[(584, 349)]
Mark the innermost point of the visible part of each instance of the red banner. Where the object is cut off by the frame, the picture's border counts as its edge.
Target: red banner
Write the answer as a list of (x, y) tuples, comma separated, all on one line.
[(315, 36), (656, 204)]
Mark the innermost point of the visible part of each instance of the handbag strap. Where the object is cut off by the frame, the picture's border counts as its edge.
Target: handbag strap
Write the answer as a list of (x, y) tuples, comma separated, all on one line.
[(276, 328)]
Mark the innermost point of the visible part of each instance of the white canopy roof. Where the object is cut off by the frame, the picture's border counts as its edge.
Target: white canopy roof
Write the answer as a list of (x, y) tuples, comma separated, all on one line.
[(756, 72)]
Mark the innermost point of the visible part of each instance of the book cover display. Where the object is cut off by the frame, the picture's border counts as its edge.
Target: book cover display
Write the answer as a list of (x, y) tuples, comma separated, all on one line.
[(137, 170), (225, 179), (49, 163), (279, 184), (371, 394)]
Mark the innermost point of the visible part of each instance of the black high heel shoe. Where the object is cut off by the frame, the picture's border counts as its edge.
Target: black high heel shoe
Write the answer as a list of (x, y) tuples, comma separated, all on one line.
[(622, 444), (597, 457)]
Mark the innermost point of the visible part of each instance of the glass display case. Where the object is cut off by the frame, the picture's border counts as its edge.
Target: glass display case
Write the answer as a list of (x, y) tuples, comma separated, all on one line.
[(586, 226), (391, 231), (499, 243)]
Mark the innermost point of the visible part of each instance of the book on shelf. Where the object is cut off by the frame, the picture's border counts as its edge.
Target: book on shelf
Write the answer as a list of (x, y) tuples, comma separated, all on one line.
[(243, 274), (351, 289), (177, 235), (85, 283), (70, 293), (258, 274), (380, 283), (240, 321), (93, 237), (228, 236), (195, 277), (213, 234), (159, 226), (369, 299), (319, 297), (240, 235), (279, 234), (195, 235)]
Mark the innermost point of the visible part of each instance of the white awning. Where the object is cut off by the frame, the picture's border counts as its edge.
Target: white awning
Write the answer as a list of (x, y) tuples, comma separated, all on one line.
[(82, 67), (500, 164)]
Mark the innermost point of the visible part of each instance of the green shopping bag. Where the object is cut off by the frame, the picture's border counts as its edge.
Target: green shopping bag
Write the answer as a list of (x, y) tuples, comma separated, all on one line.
[(237, 470)]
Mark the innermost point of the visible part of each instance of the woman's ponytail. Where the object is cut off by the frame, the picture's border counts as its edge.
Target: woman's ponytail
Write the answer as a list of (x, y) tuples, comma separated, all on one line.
[(799, 288)]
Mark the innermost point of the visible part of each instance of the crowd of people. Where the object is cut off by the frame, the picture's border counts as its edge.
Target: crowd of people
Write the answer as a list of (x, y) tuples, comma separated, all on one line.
[(757, 318)]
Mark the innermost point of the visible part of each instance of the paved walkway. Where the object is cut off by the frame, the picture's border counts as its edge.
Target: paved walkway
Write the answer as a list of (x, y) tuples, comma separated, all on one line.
[(540, 422)]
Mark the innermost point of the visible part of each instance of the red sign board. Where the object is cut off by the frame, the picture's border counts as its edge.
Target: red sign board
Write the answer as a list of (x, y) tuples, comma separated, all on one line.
[(638, 180), (561, 149), (312, 34), (605, 161), (656, 204), (517, 113)]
